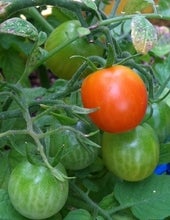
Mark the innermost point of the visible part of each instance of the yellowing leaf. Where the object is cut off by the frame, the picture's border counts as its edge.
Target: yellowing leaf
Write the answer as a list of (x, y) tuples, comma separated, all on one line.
[(143, 34)]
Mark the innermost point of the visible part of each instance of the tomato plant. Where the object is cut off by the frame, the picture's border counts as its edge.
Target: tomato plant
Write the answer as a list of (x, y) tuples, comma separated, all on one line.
[(80, 47), (35, 192), (120, 96), (84, 127), (133, 155)]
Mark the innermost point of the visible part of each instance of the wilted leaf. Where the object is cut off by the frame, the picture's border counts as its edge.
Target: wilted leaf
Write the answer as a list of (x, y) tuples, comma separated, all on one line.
[(148, 199)]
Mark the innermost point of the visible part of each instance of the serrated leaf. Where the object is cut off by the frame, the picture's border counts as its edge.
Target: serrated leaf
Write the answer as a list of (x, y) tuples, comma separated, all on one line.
[(143, 34), (19, 27), (148, 199)]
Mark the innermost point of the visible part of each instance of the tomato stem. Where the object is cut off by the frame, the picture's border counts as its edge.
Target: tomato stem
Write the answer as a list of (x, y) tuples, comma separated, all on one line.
[(91, 203), (34, 13)]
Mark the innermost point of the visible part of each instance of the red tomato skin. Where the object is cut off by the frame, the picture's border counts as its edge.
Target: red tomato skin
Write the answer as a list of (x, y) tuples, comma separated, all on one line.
[(120, 96)]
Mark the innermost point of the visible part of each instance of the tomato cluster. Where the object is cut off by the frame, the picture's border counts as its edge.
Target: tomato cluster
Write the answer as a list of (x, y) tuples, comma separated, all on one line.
[(119, 97)]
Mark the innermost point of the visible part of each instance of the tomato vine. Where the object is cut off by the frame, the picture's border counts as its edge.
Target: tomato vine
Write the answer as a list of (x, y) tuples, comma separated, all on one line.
[(94, 123)]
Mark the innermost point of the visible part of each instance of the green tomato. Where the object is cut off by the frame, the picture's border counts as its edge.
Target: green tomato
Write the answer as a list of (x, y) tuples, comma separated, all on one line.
[(34, 192), (160, 120), (61, 64), (73, 153), (132, 155)]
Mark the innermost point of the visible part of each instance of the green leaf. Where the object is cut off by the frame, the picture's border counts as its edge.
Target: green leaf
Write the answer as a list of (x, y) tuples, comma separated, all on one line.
[(108, 202), (19, 27), (32, 94), (148, 199), (91, 4), (6, 209), (12, 65), (83, 31), (162, 71)]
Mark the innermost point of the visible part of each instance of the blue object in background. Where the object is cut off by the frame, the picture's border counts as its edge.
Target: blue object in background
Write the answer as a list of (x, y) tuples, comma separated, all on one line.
[(162, 169)]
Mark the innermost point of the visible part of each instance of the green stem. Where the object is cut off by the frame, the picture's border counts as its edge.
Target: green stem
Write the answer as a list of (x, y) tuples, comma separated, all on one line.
[(34, 13), (13, 132), (119, 208), (10, 114), (91, 203), (29, 69), (128, 17), (113, 12)]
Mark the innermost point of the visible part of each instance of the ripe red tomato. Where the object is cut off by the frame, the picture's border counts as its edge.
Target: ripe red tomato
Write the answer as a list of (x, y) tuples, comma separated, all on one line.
[(120, 96)]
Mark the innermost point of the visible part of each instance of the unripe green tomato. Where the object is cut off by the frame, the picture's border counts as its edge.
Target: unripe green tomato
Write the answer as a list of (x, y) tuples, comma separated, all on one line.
[(61, 64), (34, 192), (132, 155), (73, 154)]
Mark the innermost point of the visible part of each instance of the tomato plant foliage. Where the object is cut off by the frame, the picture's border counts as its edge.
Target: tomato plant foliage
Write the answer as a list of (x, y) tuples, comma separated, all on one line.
[(84, 110)]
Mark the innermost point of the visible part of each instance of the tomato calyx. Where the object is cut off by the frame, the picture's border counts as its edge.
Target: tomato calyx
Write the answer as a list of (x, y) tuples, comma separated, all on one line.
[(59, 175)]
